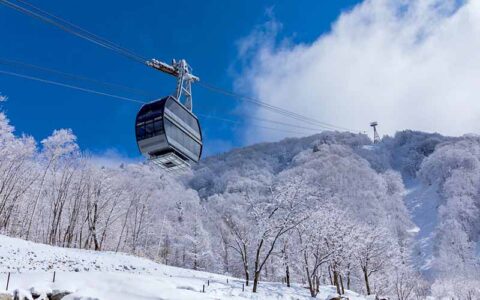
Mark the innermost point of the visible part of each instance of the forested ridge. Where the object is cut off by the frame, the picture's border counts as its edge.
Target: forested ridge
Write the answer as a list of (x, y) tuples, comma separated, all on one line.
[(332, 208)]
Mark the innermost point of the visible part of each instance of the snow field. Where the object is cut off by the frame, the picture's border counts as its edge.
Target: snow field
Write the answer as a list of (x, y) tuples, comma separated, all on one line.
[(109, 275)]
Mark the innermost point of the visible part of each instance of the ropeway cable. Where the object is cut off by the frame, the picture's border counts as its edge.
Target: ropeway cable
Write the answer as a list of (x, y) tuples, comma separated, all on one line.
[(82, 33)]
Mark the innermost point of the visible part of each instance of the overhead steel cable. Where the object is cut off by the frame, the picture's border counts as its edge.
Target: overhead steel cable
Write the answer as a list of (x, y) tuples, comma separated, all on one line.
[(273, 108), (69, 86), (87, 90), (82, 33), (15, 63), (285, 124), (73, 29), (97, 37), (239, 122)]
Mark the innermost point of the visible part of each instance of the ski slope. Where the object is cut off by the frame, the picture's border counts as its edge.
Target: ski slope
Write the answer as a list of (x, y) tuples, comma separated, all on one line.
[(422, 202), (108, 275)]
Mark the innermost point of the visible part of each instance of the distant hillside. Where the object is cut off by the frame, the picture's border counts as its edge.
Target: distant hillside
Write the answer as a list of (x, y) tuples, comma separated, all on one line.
[(438, 193)]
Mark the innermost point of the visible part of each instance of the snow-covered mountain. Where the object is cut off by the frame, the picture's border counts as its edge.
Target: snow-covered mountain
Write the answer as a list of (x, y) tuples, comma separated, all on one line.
[(398, 218), (114, 276), (403, 153), (439, 189)]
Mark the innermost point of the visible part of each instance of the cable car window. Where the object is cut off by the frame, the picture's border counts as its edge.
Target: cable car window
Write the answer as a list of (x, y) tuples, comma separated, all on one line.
[(158, 127), (149, 129), (140, 132), (183, 114), (176, 134)]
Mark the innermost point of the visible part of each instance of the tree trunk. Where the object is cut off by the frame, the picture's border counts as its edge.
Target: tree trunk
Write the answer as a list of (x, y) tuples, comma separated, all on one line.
[(245, 265), (311, 287), (341, 283), (32, 216), (330, 275), (336, 283), (365, 276), (310, 282), (287, 275), (256, 278), (348, 280), (257, 267), (310, 279)]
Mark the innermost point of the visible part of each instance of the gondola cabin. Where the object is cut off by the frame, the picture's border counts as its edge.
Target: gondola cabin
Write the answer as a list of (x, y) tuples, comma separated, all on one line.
[(168, 134)]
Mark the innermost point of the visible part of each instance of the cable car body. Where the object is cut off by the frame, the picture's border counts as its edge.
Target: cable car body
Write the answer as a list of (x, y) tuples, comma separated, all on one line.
[(168, 134)]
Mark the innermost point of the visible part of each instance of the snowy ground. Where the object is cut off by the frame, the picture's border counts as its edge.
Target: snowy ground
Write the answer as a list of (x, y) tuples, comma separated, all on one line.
[(422, 202), (106, 275)]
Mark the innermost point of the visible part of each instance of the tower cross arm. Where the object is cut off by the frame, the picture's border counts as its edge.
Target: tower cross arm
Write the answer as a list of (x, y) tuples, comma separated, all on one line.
[(161, 66), (175, 69), (183, 72)]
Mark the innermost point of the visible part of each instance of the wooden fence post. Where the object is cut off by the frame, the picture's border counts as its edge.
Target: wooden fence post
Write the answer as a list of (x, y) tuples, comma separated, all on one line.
[(53, 276)]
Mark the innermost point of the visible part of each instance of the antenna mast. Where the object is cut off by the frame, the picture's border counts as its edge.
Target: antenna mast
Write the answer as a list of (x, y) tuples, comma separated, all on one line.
[(376, 137), (182, 71)]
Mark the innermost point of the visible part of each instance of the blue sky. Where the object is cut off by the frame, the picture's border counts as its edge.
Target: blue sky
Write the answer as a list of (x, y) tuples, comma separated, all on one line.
[(206, 33)]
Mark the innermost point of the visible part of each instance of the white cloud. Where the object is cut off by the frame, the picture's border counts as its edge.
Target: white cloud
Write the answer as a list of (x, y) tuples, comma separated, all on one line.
[(406, 64), (112, 158)]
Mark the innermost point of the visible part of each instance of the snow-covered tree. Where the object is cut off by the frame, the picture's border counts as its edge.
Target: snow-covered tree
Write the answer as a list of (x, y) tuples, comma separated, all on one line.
[(324, 209)]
